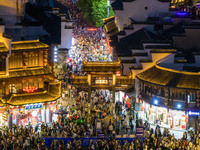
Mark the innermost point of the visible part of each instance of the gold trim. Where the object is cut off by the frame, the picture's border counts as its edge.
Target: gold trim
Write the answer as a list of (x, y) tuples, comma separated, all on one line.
[(177, 71)]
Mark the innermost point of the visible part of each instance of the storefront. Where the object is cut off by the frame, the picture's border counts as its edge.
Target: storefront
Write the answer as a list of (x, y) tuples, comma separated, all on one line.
[(162, 116), (194, 120), (33, 113)]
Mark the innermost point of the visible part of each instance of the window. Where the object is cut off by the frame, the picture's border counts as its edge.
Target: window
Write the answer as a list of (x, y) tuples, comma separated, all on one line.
[(192, 98), (2, 65), (15, 61), (2, 92), (33, 59), (15, 88)]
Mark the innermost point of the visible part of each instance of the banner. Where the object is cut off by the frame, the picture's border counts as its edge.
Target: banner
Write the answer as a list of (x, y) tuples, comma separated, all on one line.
[(85, 141), (140, 131)]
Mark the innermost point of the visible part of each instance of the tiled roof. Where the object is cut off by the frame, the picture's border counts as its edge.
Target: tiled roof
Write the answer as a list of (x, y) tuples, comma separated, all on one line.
[(28, 45), (31, 98), (101, 66), (171, 78), (28, 72), (111, 26), (134, 40), (177, 29)]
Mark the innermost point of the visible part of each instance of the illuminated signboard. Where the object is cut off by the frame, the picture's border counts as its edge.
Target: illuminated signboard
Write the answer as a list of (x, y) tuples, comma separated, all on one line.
[(35, 106), (101, 81), (192, 113)]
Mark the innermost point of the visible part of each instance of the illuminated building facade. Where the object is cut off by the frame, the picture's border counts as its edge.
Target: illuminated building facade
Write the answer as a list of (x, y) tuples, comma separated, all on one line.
[(27, 82)]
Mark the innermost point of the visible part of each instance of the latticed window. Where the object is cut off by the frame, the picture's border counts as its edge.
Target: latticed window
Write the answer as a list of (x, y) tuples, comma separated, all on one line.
[(15, 61), (33, 59)]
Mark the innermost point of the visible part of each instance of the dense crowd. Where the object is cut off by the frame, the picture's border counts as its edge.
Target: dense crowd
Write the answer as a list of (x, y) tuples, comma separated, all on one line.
[(89, 43), (87, 118), (18, 138)]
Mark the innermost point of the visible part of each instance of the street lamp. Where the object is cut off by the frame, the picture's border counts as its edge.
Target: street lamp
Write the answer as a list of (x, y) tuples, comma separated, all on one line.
[(108, 4)]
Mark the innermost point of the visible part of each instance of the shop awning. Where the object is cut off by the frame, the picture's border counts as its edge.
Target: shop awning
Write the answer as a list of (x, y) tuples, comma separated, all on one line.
[(28, 72)]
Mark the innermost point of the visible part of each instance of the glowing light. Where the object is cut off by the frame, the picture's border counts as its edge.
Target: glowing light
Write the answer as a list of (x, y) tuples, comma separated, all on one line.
[(55, 49), (194, 113), (55, 54), (91, 29), (179, 106), (30, 89), (156, 102), (73, 41), (182, 13), (118, 74), (34, 113)]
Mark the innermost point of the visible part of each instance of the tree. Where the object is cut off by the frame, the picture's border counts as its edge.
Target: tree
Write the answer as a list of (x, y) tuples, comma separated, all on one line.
[(64, 67), (95, 11)]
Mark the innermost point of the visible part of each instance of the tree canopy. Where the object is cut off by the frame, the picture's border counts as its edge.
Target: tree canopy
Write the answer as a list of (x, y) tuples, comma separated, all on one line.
[(95, 11)]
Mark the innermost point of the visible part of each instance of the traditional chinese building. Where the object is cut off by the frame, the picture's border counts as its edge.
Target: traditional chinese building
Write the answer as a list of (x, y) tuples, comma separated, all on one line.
[(26, 81)]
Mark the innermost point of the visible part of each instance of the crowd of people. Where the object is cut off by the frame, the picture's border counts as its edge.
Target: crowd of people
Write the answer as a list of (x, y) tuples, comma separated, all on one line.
[(88, 42), (88, 118), (27, 137)]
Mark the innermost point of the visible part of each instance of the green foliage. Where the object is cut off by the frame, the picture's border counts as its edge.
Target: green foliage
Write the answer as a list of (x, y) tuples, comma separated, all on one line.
[(95, 11), (64, 67)]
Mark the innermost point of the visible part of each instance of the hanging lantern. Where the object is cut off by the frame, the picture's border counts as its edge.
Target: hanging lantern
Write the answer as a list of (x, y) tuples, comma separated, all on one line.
[(51, 103)]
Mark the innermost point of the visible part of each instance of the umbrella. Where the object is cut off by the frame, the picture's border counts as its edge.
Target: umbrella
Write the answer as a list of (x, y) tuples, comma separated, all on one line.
[(60, 112)]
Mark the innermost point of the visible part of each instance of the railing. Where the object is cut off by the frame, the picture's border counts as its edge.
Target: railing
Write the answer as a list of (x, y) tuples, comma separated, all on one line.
[(85, 141)]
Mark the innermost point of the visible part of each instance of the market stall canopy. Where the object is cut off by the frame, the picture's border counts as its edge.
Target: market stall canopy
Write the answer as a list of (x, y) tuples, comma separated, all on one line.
[(171, 78), (60, 112)]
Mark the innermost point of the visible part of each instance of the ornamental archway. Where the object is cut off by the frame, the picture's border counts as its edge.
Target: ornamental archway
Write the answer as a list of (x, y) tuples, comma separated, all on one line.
[(102, 75)]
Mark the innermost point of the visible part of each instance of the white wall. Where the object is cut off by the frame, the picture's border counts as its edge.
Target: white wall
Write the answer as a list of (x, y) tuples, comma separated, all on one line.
[(66, 35), (136, 10)]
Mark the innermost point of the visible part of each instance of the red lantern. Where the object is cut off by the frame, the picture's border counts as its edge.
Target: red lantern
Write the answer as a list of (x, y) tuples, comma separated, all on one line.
[(150, 112), (14, 107), (142, 108), (51, 103)]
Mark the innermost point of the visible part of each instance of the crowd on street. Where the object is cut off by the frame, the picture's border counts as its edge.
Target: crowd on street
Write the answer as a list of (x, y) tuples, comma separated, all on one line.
[(85, 119), (88, 42)]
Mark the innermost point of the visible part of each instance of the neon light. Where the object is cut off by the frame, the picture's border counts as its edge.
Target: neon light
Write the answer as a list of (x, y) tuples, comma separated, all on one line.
[(182, 13), (192, 113)]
